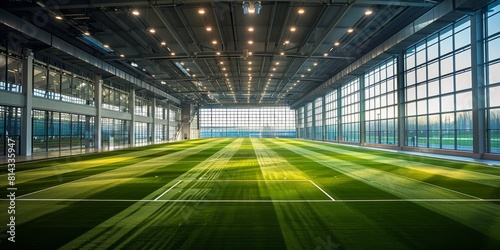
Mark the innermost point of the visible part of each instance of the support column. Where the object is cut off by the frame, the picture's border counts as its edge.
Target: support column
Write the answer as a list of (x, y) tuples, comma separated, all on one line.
[(131, 108), (478, 86), (164, 132), (98, 108), (401, 100), (339, 114), (185, 120), (153, 116), (297, 133), (323, 117), (362, 108), (313, 118), (167, 116), (26, 118)]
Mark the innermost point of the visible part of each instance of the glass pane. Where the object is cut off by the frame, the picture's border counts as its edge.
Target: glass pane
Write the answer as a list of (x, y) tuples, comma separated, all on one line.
[(447, 103)]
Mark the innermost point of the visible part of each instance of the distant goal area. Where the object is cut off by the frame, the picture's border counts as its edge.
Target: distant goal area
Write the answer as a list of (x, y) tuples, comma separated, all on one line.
[(263, 122)]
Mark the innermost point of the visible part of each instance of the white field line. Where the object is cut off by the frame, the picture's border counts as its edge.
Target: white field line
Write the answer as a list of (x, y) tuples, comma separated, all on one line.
[(62, 184), (168, 190), (423, 182), (331, 198), (451, 190), (264, 201), (245, 180)]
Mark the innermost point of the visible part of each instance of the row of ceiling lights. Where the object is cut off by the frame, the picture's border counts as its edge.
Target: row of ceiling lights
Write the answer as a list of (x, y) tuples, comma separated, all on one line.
[(250, 29)]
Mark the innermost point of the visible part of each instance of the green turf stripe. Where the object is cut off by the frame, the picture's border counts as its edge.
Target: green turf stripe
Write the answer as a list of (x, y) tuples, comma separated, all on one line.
[(449, 163), (72, 214), (152, 215), (478, 185), (473, 215), (32, 181), (300, 223), (50, 162), (378, 230)]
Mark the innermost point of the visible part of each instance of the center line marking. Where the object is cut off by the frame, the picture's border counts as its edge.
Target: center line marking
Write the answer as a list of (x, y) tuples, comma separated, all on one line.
[(331, 198), (167, 190)]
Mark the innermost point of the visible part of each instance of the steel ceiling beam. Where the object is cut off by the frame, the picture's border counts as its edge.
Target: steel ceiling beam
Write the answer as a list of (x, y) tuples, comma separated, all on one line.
[(78, 4), (329, 30)]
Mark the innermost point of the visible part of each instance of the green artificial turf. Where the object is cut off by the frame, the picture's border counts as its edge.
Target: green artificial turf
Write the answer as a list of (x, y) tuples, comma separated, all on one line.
[(253, 194)]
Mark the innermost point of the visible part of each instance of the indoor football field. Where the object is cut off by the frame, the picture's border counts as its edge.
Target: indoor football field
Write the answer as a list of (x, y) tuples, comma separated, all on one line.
[(252, 194)]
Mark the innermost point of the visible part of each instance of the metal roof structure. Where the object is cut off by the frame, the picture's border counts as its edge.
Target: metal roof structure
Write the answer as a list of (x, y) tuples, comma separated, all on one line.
[(211, 52)]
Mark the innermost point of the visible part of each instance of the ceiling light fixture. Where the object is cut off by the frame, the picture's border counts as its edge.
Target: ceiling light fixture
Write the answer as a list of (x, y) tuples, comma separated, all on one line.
[(251, 7), (292, 29), (209, 28), (350, 30), (201, 11), (58, 17), (135, 12), (301, 11), (250, 29), (152, 30), (87, 33), (368, 12), (163, 43)]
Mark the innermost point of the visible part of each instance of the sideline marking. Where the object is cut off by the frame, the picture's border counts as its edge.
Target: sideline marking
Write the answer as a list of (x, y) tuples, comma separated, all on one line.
[(167, 190), (263, 201), (331, 198)]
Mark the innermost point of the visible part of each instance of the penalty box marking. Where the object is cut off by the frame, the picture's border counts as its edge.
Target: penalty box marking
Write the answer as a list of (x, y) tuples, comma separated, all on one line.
[(310, 181), (167, 190), (331, 198)]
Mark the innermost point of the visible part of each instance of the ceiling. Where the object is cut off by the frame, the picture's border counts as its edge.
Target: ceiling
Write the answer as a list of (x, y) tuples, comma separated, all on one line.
[(211, 53)]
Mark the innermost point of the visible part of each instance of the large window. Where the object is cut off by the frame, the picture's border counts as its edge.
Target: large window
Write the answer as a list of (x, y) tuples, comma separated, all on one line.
[(53, 83), (318, 118), (268, 122), (55, 131), (115, 97), (492, 46), (141, 133), (350, 111), (142, 106), (10, 127), (331, 115), (381, 103), (300, 123), (438, 90), (10, 72), (115, 132)]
